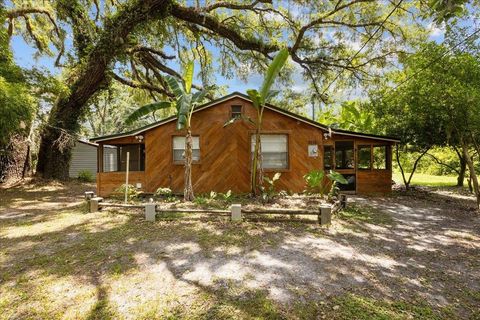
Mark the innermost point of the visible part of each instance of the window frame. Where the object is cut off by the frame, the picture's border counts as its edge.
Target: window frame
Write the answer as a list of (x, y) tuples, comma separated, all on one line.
[(388, 155), (335, 155), (332, 156), (182, 162), (142, 161), (364, 146), (236, 105), (280, 132)]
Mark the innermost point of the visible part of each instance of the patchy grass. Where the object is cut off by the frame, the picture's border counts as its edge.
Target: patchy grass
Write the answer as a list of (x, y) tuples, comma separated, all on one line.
[(420, 179), (365, 214), (57, 261)]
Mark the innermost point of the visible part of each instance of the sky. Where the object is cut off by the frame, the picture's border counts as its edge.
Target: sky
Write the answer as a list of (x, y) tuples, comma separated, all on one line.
[(24, 55)]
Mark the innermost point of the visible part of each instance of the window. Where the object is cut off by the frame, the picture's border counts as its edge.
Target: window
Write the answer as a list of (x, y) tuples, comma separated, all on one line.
[(344, 157), (236, 111), (364, 157), (274, 150), (110, 158), (179, 149), (136, 157), (381, 157), (328, 157)]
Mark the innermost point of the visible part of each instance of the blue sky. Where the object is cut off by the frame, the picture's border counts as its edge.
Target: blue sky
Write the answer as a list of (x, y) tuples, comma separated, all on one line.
[(24, 55)]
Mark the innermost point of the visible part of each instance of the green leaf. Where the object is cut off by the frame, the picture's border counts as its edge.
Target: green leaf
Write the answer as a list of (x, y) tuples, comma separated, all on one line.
[(272, 72), (199, 96), (175, 85), (337, 177), (146, 109), (255, 96), (271, 94), (181, 122), (188, 76)]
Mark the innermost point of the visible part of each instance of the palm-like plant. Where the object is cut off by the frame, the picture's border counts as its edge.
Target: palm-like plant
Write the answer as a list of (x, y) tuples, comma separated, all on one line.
[(185, 102), (259, 99)]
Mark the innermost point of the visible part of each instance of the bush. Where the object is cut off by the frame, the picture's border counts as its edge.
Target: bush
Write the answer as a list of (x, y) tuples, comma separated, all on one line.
[(316, 182), (86, 176), (132, 192), (163, 192)]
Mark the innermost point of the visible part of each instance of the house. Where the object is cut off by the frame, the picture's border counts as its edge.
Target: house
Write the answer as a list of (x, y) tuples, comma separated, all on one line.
[(291, 144), (84, 158)]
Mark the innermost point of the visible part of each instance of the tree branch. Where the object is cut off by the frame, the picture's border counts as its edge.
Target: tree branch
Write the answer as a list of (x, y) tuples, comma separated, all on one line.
[(137, 85)]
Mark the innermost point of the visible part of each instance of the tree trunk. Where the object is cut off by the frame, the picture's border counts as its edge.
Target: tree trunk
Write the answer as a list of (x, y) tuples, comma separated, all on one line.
[(415, 164), (55, 146), (473, 174), (188, 189), (256, 161), (463, 167), (461, 173)]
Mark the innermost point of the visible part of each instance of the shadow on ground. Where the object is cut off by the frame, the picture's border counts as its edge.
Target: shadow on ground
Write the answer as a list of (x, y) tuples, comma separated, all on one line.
[(392, 257)]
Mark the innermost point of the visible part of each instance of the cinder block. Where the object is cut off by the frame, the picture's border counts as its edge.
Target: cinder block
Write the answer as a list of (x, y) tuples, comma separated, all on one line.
[(94, 204), (150, 212), (325, 214), (89, 195), (236, 210)]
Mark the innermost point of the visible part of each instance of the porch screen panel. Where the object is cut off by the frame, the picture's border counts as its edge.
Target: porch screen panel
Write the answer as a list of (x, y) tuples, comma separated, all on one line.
[(344, 155), (136, 157), (179, 149), (381, 157), (274, 150), (327, 157), (364, 157)]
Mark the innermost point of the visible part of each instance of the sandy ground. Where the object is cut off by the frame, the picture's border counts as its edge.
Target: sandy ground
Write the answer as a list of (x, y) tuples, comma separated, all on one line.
[(60, 262)]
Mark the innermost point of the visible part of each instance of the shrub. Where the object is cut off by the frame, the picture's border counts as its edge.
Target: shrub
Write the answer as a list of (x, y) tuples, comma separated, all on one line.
[(163, 192), (316, 183), (86, 176), (132, 192), (268, 192)]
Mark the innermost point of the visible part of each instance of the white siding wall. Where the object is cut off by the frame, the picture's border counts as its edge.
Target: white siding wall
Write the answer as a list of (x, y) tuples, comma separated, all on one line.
[(84, 157)]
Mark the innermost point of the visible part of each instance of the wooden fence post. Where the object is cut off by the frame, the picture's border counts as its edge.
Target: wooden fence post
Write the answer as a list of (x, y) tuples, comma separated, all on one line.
[(325, 214), (236, 210), (94, 204), (150, 211)]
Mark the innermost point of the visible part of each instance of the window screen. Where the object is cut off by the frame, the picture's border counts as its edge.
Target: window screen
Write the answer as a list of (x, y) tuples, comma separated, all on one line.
[(274, 150), (236, 111), (136, 157), (179, 149), (364, 157), (380, 157), (344, 157), (328, 157)]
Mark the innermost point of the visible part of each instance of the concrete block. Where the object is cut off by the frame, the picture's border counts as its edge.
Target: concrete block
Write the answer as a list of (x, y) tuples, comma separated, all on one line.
[(325, 214), (89, 195), (236, 210), (94, 204), (150, 211)]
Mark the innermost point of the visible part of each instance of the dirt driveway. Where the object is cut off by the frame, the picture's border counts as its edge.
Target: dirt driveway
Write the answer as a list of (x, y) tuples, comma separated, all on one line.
[(399, 257)]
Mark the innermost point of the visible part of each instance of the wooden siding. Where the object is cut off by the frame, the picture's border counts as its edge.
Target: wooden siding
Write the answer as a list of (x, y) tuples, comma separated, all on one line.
[(225, 154), (107, 182), (84, 158), (225, 151)]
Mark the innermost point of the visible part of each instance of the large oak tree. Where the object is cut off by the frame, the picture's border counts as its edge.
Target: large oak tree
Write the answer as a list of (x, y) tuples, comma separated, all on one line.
[(138, 42)]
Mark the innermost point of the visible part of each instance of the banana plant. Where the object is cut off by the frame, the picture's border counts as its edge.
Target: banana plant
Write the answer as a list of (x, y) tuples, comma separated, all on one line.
[(259, 99), (185, 102)]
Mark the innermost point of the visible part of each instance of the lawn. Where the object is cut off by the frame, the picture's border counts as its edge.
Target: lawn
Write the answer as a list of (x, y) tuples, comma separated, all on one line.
[(420, 179), (388, 258)]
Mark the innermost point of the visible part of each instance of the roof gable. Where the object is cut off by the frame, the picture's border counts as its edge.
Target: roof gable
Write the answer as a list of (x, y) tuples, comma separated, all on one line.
[(246, 98)]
